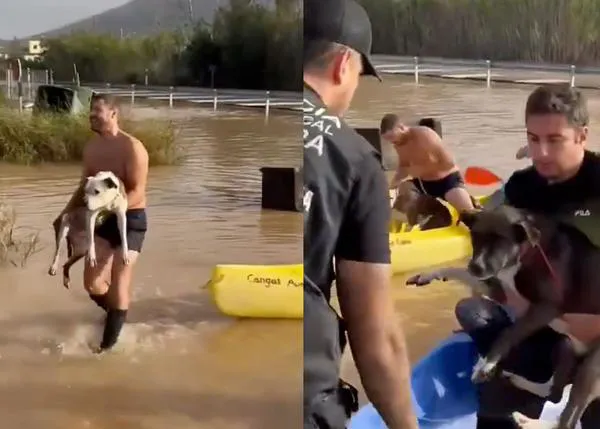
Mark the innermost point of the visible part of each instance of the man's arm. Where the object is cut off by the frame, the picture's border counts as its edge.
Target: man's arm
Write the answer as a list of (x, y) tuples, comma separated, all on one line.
[(137, 174), (363, 278), (402, 173)]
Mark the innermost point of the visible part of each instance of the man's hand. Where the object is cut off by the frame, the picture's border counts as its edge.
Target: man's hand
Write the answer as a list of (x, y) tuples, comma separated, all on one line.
[(425, 279)]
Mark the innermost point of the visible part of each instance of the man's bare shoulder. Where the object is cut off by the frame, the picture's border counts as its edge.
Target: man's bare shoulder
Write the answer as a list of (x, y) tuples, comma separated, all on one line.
[(130, 139), (426, 133), (134, 144)]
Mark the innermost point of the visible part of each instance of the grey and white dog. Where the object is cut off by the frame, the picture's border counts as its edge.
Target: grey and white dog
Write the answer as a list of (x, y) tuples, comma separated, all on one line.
[(555, 268), (103, 192)]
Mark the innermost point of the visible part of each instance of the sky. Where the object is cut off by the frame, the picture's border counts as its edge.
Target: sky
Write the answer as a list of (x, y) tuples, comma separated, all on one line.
[(22, 18)]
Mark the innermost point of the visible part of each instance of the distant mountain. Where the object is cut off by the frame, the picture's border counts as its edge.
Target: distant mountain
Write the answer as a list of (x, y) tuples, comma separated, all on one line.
[(143, 17)]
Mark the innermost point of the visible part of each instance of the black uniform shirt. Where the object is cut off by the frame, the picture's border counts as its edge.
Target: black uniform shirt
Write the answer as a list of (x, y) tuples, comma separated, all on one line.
[(346, 197)]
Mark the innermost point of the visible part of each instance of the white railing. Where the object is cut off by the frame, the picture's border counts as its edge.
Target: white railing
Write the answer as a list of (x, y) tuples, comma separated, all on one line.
[(26, 88), (468, 69)]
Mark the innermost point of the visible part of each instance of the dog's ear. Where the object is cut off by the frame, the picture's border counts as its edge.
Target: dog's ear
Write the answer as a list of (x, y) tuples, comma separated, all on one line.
[(110, 183), (523, 225), (525, 231), (468, 217)]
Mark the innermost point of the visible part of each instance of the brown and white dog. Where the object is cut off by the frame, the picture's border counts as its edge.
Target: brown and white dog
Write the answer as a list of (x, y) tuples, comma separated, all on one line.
[(416, 209), (555, 269), (103, 192)]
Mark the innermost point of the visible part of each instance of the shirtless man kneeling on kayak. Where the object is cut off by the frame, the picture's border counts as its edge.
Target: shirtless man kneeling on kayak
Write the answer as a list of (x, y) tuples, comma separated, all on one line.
[(424, 159), (111, 149)]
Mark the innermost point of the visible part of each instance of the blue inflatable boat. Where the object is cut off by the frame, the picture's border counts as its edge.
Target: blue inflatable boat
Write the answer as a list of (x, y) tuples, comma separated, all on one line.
[(443, 395)]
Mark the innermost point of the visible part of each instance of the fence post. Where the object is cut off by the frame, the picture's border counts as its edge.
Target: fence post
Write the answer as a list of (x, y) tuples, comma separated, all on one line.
[(20, 94), (47, 76), (29, 92), (51, 77), (146, 78), (416, 59), (572, 75), (171, 97), (215, 100), (488, 77), (267, 104), (132, 94), (9, 78)]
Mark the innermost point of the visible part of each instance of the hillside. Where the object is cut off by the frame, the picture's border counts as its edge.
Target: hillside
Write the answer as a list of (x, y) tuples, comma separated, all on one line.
[(142, 17)]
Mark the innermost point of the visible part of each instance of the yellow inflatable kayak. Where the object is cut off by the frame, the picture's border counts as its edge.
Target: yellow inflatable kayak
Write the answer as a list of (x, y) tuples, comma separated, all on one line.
[(276, 291), (269, 291), (417, 250)]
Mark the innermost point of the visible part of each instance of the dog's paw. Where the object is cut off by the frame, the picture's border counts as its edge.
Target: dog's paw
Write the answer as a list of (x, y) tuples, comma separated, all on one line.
[(92, 261), (425, 279), (483, 370), (524, 422), (66, 282), (52, 270), (96, 349), (126, 260)]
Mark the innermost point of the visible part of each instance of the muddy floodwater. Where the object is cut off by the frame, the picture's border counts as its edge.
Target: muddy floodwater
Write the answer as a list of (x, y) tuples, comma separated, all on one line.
[(179, 364)]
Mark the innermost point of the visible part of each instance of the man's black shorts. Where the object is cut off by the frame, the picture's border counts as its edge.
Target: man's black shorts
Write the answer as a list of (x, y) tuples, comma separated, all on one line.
[(439, 188), (137, 224)]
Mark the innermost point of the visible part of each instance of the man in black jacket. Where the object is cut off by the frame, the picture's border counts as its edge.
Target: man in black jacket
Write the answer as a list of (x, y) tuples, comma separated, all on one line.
[(564, 175), (347, 213)]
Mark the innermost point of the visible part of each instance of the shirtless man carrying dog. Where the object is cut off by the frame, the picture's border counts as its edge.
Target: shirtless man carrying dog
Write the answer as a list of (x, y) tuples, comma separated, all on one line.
[(111, 149), (423, 157)]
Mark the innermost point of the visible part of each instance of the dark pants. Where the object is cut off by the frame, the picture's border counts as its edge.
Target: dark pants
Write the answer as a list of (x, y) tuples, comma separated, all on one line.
[(439, 188), (534, 359), (137, 224)]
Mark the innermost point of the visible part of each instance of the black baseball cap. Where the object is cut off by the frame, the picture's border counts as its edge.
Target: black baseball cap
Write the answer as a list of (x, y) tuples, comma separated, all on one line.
[(341, 21)]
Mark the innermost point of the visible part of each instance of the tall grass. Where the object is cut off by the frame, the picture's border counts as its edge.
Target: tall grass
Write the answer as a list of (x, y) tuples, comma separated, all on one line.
[(26, 139), (15, 248), (562, 31)]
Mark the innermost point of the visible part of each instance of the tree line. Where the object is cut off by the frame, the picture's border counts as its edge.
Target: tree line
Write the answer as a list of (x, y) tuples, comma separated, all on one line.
[(561, 31), (250, 46), (247, 46)]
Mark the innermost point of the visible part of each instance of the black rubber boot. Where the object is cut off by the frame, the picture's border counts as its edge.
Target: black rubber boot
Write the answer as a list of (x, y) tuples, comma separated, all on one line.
[(100, 300), (115, 319)]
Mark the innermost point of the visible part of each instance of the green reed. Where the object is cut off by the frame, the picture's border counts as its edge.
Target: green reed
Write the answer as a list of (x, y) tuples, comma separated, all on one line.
[(27, 139)]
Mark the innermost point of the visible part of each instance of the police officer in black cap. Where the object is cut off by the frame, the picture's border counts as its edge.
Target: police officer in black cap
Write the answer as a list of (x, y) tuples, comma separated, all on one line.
[(347, 214)]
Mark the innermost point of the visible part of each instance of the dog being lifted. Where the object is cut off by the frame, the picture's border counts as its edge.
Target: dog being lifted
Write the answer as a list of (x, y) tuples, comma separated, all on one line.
[(555, 267), (103, 192), (417, 209)]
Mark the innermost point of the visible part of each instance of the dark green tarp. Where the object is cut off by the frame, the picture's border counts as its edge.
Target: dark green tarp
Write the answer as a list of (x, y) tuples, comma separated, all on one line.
[(63, 99)]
